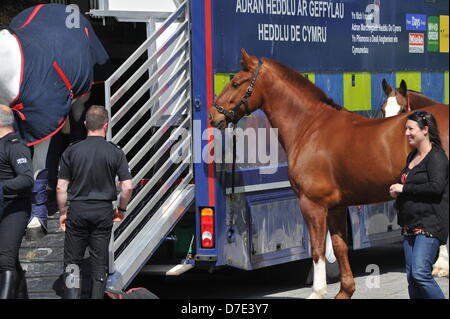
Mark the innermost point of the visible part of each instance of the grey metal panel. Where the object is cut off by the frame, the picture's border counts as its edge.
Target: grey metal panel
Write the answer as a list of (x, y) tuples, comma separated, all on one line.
[(276, 225), (145, 108), (129, 83), (237, 250), (164, 188), (259, 187), (131, 16), (147, 43), (169, 64), (380, 218), (374, 224), (144, 244)]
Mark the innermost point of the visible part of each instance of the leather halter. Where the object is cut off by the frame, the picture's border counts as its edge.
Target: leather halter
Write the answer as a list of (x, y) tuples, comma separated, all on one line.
[(232, 115)]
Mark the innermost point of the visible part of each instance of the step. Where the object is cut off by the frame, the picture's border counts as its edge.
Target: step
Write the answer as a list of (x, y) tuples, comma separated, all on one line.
[(166, 270), (44, 295), (48, 241), (53, 226), (43, 269), (41, 254), (45, 283), (52, 286)]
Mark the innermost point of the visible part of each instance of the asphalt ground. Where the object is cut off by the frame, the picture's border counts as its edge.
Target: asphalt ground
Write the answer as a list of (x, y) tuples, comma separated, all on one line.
[(378, 272)]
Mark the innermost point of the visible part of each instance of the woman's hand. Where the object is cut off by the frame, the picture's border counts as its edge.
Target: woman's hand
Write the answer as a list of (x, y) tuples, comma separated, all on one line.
[(395, 190)]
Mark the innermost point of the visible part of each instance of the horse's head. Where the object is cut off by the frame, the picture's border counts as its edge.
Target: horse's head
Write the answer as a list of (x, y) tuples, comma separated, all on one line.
[(397, 99), (239, 96)]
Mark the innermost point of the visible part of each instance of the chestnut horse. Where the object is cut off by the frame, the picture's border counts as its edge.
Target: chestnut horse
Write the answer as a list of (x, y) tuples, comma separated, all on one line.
[(401, 100), (317, 138)]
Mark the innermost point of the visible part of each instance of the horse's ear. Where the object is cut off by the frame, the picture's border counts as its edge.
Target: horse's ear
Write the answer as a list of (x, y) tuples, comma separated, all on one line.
[(403, 88), (247, 61), (386, 87)]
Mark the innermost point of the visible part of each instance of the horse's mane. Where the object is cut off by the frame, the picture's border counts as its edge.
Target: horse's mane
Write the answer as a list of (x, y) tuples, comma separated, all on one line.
[(420, 94), (301, 82)]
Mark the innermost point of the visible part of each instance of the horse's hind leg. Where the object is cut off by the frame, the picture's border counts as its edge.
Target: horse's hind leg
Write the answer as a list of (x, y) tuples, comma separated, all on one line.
[(316, 219), (37, 223), (440, 267), (337, 223)]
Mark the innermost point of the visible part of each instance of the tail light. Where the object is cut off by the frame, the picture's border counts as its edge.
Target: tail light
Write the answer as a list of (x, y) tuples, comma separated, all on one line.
[(207, 227)]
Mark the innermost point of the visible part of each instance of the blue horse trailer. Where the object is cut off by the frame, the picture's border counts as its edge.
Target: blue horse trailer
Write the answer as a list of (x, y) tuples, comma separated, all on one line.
[(189, 194)]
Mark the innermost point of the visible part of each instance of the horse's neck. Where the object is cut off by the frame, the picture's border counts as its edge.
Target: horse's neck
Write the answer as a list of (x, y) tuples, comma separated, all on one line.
[(418, 100), (10, 67), (290, 111)]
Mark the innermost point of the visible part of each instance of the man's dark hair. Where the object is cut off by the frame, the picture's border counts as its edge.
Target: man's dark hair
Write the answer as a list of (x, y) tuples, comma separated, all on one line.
[(96, 117)]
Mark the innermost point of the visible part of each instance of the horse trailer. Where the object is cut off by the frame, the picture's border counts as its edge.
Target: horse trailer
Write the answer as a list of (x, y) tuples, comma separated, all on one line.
[(195, 203)]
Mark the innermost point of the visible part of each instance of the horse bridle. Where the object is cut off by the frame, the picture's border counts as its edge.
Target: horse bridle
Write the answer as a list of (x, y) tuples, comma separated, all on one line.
[(232, 115)]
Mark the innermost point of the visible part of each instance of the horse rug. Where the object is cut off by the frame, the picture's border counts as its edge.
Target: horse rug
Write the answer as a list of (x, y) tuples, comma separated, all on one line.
[(58, 59)]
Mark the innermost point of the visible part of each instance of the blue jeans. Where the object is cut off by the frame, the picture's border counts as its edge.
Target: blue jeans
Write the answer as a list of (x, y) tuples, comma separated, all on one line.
[(420, 254)]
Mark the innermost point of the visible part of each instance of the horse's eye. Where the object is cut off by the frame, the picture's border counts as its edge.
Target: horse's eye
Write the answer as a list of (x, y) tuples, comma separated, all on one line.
[(235, 85)]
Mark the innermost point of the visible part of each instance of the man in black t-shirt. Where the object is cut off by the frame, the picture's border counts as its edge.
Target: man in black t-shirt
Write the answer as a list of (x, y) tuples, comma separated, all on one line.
[(86, 180), (16, 182)]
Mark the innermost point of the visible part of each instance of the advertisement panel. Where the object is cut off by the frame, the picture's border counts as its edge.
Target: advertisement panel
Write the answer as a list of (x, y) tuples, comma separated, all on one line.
[(333, 36)]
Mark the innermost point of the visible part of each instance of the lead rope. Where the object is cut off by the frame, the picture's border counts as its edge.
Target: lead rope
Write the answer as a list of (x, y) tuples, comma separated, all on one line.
[(233, 169)]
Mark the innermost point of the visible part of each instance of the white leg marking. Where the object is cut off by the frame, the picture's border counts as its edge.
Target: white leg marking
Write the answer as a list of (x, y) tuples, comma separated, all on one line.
[(440, 268), (320, 280)]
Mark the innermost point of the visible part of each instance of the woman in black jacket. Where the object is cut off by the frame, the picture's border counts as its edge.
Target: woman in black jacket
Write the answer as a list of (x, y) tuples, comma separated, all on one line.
[(422, 203)]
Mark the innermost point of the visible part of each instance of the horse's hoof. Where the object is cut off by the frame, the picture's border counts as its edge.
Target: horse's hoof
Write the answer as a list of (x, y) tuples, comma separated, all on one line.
[(315, 295), (342, 295), (439, 272), (34, 231)]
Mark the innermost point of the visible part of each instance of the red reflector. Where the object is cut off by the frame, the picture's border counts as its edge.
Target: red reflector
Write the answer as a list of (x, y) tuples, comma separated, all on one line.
[(207, 227)]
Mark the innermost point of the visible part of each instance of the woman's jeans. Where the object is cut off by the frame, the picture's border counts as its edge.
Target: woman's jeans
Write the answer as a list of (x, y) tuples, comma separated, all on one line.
[(420, 254)]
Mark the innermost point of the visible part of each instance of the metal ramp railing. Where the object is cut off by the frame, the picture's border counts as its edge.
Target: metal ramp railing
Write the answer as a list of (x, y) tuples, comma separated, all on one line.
[(149, 99)]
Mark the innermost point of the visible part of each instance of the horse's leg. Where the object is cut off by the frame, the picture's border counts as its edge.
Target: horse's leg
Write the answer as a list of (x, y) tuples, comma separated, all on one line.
[(45, 163), (316, 219), (39, 213), (337, 223), (76, 128), (440, 267)]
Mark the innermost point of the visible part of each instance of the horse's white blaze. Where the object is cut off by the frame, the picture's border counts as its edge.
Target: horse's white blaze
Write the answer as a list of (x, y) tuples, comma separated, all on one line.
[(10, 67), (392, 107), (320, 280)]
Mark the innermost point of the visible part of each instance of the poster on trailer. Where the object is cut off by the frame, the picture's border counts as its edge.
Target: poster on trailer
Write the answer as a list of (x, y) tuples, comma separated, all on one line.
[(330, 36)]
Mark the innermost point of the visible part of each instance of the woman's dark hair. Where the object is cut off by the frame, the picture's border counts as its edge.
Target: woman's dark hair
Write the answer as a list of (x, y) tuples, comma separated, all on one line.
[(427, 119)]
